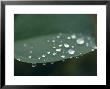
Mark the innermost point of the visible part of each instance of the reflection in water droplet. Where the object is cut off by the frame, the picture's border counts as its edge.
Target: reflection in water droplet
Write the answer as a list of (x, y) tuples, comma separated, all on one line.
[(80, 41), (66, 45), (71, 51)]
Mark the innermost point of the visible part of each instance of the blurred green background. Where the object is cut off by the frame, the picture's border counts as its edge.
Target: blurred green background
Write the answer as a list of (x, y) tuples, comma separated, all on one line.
[(32, 25)]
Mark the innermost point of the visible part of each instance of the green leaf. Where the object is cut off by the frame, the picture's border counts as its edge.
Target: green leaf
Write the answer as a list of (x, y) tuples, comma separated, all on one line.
[(42, 38)]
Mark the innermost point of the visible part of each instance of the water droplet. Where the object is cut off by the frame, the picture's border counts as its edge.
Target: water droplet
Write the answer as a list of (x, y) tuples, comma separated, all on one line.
[(33, 65), (58, 50), (54, 47), (95, 47), (89, 38), (51, 63), (73, 36), (48, 52), (92, 49), (61, 41), (71, 51), (80, 41), (18, 59), (25, 45), (72, 46), (66, 45), (39, 58), (53, 40), (43, 64), (30, 51), (54, 53), (60, 45), (87, 44), (77, 57), (71, 57), (43, 55), (58, 36), (48, 41), (30, 56), (63, 56), (68, 37), (80, 53)]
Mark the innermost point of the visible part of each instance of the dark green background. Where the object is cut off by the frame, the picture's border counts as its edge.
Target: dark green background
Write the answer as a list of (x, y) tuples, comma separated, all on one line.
[(29, 26)]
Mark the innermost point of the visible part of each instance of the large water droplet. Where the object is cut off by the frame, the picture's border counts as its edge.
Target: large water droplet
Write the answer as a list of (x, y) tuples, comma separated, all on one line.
[(80, 41), (71, 51)]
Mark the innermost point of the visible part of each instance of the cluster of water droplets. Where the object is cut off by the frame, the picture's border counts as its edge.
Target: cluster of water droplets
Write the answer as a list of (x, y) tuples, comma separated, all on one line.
[(61, 48)]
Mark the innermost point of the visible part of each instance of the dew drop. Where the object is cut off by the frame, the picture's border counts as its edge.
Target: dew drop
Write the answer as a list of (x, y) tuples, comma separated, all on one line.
[(18, 59), (73, 36), (43, 64), (48, 41), (51, 63), (63, 56), (58, 50), (53, 40), (87, 44), (72, 46), (60, 45), (33, 65), (48, 52), (58, 36), (92, 49), (43, 55), (71, 51), (30, 51), (30, 57), (54, 53), (54, 47), (68, 37), (66, 45), (39, 58), (25, 45), (80, 41)]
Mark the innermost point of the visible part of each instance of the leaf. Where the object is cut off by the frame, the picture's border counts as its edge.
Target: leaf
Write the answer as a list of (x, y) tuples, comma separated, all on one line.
[(42, 38)]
